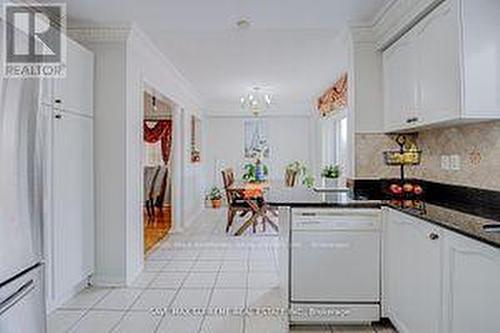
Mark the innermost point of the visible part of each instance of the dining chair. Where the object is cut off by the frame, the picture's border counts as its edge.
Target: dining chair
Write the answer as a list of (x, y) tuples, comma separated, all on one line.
[(159, 199), (235, 201), (150, 178)]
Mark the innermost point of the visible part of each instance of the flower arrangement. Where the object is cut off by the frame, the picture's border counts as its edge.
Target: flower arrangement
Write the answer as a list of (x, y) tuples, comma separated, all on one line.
[(255, 172), (296, 169)]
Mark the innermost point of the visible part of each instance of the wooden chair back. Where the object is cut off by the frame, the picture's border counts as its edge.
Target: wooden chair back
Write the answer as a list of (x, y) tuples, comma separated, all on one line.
[(160, 198), (152, 185), (228, 180)]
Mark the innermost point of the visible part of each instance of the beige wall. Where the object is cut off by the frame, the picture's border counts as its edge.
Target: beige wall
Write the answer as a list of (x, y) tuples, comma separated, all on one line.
[(477, 144), (369, 161)]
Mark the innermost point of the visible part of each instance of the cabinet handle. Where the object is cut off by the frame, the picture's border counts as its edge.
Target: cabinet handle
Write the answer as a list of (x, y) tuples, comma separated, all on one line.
[(411, 120), (433, 236), (57, 101), (58, 116)]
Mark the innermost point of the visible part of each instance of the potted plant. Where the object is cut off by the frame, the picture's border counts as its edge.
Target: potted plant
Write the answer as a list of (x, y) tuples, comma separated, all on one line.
[(296, 169), (331, 174), (215, 196)]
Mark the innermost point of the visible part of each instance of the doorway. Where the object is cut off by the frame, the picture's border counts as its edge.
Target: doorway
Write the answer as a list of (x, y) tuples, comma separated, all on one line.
[(157, 168)]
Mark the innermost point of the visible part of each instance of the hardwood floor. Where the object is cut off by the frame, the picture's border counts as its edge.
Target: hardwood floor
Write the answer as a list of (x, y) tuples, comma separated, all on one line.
[(156, 229)]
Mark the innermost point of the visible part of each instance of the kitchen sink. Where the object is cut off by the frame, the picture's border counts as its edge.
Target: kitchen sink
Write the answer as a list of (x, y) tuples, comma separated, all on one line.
[(492, 227)]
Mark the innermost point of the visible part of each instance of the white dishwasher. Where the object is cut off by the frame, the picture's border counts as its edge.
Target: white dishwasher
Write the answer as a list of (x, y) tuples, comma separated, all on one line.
[(335, 265)]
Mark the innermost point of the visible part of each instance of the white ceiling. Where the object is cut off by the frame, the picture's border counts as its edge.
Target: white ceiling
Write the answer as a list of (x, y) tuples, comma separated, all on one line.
[(290, 47)]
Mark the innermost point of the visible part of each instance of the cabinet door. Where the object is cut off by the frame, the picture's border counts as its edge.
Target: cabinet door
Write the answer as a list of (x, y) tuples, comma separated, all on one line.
[(75, 91), (72, 201), (437, 40), (412, 273), (472, 286), (400, 83)]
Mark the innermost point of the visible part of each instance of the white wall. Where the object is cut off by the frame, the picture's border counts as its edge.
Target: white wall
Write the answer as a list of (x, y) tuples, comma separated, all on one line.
[(127, 61), (146, 64), (290, 138), (109, 157)]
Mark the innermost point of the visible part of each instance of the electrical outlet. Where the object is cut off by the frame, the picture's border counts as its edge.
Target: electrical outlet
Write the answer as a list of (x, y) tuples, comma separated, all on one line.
[(445, 162), (455, 162)]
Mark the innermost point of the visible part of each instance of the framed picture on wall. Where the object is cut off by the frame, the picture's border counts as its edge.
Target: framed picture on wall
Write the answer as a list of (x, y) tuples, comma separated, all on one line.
[(195, 139), (256, 139)]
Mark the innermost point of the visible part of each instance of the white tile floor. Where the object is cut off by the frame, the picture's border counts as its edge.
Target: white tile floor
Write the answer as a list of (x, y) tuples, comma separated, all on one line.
[(189, 280)]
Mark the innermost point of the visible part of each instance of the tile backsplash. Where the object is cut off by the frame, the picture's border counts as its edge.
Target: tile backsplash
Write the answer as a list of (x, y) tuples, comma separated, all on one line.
[(369, 162), (477, 145)]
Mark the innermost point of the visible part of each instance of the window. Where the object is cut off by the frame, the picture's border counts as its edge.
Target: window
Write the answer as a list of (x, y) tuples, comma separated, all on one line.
[(334, 141)]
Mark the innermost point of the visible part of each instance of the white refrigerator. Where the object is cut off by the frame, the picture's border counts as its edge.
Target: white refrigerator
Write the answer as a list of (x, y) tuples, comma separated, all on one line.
[(22, 303)]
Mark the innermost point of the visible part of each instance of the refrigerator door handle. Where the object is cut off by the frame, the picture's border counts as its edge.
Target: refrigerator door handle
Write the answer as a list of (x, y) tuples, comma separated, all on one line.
[(18, 295)]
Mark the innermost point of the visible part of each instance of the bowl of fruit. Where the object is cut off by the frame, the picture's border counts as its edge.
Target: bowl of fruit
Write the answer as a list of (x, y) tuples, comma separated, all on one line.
[(410, 189)]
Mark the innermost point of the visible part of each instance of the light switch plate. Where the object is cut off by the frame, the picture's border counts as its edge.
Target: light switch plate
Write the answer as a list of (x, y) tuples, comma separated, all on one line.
[(455, 162), (445, 162)]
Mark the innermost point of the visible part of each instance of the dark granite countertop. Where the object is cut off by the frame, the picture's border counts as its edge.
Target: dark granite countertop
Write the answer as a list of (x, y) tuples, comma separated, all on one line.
[(301, 196), (457, 220), (466, 224)]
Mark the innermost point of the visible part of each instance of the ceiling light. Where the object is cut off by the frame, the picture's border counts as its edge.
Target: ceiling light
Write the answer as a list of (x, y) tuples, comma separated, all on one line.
[(256, 101)]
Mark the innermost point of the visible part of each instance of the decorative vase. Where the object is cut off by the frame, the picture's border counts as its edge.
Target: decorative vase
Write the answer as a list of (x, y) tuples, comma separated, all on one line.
[(290, 178), (259, 172), (331, 182)]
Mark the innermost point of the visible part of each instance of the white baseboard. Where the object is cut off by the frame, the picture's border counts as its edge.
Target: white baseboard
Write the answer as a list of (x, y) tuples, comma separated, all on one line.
[(53, 304), (108, 281)]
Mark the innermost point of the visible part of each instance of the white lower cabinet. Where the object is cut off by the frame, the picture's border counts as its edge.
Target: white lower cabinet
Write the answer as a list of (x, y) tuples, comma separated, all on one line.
[(435, 280), (471, 286), (412, 273)]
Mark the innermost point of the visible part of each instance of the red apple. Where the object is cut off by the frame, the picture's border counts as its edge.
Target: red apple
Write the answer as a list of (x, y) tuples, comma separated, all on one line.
[(396, 189), (408, 187), (417, 189), (408, 204)]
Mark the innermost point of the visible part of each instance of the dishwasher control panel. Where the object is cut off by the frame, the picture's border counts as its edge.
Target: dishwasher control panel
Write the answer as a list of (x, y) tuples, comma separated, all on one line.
[(336, 219)]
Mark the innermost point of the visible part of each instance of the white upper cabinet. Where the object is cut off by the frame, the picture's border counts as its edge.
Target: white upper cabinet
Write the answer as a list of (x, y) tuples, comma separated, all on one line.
[(400, 82), (73, 93), (453, 64), (481, 58), (438, 67)]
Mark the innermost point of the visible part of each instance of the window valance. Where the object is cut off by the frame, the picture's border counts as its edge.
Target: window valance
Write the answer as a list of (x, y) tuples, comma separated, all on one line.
[(334, 98)]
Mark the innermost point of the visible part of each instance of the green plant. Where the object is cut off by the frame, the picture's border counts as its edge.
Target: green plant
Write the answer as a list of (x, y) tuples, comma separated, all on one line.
[(331, 171), (215, 193), (250, 174), (297, 167)]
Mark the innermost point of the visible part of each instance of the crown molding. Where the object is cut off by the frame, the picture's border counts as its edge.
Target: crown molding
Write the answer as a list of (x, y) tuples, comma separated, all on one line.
[(362, 35), (398, 17), (382, 13), (392, 21), (100, 34)]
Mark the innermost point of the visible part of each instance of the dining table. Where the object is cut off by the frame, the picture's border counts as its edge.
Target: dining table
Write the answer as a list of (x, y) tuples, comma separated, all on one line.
[(253, 194)]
